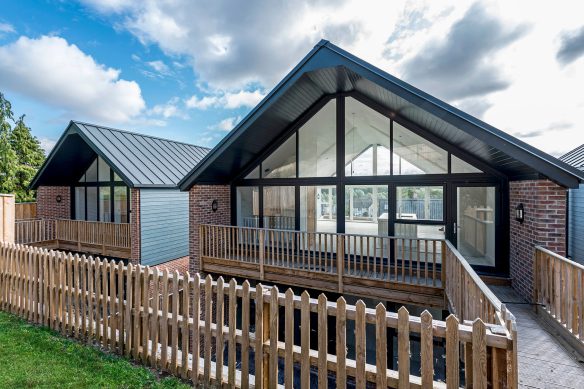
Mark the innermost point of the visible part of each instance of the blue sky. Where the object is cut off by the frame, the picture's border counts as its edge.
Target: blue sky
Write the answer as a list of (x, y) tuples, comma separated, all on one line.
[(190, 70)]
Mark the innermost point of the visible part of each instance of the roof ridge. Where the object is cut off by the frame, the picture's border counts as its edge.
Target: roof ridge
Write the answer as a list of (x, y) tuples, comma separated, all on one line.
[(139, 134)]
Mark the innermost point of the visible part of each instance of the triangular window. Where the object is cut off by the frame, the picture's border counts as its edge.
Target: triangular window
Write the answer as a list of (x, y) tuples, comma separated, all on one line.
[(457, 165), (282, 162)]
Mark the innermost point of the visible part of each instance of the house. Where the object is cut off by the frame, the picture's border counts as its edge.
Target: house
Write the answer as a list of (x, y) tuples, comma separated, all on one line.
[(342, 147), (109, 178), (575, 226)]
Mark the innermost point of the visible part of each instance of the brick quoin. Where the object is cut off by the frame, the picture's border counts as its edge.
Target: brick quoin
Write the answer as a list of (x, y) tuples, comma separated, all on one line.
[(47, 205), (135, 226), (545, 221), (200, 199)]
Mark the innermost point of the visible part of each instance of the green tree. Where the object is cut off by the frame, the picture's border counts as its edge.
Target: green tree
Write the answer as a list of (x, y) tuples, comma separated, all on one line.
[(21, 154), (30, 157)]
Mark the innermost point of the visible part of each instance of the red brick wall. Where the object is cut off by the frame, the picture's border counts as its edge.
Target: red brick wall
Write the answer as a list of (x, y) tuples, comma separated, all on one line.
[(545, 221), (180, 264), (47, 205), (135, 225), (200, 212)]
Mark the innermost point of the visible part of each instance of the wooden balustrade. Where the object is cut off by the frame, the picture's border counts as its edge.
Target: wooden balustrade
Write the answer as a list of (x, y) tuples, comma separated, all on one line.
[(401, 269), (138, 312), (25, 211), (559, 293), (112, 239)]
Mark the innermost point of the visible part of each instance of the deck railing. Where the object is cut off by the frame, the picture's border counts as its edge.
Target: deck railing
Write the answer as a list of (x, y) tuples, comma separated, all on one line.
[(24, 211), (92, 236), (559, 291), (127, 310)]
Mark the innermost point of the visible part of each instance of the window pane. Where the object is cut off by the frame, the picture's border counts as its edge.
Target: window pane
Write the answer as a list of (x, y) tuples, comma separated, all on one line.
[(248, 209), (366, 140), (317, 146), (104, 170), (91, 173), (279, 207), (255, 173), (318, 208), (366, 209), (413, 154), (476, 224), (121, 204), (92, 203), (117, 178), (105, 210), (420, 202), (82, 179), (80, 203), (457, 165), (282, 162)]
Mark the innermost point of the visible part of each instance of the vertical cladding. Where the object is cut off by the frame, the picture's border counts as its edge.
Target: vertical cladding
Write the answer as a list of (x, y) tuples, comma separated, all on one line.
[(200, 199), (135, 225), (47, 204), (544, 225)]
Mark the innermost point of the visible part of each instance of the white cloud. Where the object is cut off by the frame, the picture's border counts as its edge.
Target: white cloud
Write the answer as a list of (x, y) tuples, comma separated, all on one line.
[(159, 66), (168, 110), (228, 123), (47, 144), (6, 28), (227, 100), (59, 74)]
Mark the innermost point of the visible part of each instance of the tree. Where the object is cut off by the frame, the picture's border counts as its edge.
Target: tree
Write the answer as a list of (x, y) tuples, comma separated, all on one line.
[(30, 157), (21, 154)]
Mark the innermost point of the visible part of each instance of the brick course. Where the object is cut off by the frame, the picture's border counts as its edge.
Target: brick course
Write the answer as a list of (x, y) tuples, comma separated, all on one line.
[(545, 221), (180, 264), (47, 205), (200, 199), (135, 225)]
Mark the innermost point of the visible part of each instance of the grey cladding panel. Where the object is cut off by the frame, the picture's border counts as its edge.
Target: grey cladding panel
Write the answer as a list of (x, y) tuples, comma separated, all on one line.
[(164, 225)]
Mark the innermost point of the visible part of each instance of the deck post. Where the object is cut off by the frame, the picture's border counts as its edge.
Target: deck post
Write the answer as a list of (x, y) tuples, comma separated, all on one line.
[(261, 253), (340, 260), (7, 215)]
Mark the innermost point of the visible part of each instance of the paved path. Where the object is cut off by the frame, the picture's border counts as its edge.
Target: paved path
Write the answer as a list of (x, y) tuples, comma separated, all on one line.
[(544, 361)]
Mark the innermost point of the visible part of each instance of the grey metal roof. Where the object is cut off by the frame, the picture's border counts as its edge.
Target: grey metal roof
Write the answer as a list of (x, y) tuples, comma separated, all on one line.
[(140, 160), (326, 70), (575, 157)]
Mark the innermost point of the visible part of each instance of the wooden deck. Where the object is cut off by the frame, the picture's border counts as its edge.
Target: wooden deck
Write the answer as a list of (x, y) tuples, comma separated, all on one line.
[(545, 361)]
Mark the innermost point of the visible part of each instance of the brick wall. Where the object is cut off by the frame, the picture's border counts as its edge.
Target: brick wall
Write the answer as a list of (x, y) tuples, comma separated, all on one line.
[(135, 225), (200, 212), (545, 221), (47, 205)]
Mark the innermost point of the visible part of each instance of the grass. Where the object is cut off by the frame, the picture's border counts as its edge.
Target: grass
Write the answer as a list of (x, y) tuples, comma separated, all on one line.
[(32, 356)]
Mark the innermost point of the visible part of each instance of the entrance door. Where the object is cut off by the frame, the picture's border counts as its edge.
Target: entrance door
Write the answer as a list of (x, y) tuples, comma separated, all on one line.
[(475, 215)]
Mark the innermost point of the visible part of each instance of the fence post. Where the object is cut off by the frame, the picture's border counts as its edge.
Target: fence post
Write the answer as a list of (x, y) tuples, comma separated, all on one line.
[(262, 253), (443, 265), (7, 213), (340, 260)]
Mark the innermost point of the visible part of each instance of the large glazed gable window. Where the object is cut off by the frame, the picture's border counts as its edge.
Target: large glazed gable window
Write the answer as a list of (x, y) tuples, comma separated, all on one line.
[(282, 162), (413, 154), (317, 143), (457, 165), (367, 140), (101, 195)]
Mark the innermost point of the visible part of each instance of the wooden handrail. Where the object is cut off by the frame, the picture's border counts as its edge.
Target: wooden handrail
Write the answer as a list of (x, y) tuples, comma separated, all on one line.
[(118, 306)]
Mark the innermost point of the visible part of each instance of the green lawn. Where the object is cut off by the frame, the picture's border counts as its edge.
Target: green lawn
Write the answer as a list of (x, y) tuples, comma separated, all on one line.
[(32, 356)]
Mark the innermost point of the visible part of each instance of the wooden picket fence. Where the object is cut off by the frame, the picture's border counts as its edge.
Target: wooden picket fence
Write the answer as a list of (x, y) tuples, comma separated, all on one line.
[(24, 211), (165, 320), (559, 293)]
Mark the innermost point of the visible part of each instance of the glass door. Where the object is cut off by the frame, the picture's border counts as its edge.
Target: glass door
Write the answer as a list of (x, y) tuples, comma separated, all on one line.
[(474, 224)]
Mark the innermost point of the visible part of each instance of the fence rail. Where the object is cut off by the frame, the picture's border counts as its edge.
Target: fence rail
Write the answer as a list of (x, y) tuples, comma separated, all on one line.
[(559, 292), (79, 235), (139, 312)]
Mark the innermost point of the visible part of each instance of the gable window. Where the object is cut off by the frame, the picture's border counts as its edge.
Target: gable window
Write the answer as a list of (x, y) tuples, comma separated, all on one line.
[(282, 162), (101, 195), (457, 165), (317, 143), (413, 154)]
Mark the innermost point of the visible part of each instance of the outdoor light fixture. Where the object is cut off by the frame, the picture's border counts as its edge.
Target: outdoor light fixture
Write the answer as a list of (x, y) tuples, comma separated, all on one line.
[(215, 205), (519, 213), (58, 198)]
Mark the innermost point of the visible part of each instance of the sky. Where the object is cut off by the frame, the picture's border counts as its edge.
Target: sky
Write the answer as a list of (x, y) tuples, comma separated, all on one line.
[(189, 70)]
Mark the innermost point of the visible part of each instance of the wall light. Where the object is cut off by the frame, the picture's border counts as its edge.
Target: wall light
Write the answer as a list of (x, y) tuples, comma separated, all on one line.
[(215, 205), (519, 213)]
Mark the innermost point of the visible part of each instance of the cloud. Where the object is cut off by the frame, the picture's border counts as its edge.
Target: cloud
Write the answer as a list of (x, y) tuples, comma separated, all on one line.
[(234, 44), (168, 110), (159, 66), (228, 123), (461, 65), (227, 100), (59, 74), (47, 144), (6, 28), (476, 106), (571, 46), (551, 128)]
